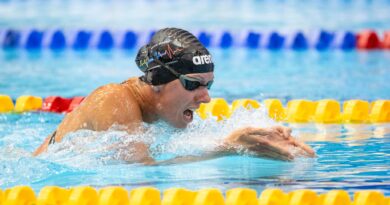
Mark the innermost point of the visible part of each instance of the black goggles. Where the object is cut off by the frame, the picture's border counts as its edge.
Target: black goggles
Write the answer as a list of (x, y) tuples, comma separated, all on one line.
[(187, 82), (193, 83)]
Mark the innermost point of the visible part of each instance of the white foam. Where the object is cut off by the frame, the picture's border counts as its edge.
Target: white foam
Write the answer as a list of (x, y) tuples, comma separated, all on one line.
[(91, 148)]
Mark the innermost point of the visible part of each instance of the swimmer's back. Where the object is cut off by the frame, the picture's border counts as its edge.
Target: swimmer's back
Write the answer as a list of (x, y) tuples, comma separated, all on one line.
[(107, 105)]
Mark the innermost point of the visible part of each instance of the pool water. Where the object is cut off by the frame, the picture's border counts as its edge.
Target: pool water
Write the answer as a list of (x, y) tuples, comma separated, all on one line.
[(203, 14), (239, 73), (350, 157)]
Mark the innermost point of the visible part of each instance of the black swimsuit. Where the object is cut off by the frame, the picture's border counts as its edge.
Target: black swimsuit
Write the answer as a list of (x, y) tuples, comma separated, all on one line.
[(53, 138)]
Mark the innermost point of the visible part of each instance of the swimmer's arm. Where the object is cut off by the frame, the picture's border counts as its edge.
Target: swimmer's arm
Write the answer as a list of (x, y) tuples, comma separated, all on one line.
[(271, 143), (43, 146), (220, 151)]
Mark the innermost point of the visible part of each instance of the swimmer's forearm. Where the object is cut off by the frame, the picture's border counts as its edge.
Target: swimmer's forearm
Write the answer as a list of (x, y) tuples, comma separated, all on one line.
[(188, 159), (221, 151)]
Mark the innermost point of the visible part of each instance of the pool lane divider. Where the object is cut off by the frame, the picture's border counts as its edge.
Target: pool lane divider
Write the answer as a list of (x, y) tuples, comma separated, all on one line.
[(131, 39), (177, 196), (325, 111), (28, 103), (59, 104)]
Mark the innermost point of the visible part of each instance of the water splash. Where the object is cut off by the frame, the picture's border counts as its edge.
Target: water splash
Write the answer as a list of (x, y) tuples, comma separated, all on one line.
[(88, 157), (91, 148)]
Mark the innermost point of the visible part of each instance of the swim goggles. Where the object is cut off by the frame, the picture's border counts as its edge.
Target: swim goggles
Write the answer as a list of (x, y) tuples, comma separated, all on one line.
[(187, 82)]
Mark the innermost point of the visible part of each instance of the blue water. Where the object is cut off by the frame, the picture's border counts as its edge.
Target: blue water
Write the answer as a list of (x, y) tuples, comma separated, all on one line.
[(258, 74), (233, 14), (349, 157)]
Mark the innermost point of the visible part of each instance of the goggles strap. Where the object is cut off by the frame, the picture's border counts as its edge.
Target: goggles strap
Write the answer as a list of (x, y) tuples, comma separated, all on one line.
[(168, 68)]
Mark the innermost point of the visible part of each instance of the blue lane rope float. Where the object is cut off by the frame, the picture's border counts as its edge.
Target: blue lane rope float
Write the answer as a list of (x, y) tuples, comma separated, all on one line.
[(324, 40), (58, 40), (82, 40), (300, 42), (11, 39), (275, 41), (226, 40), (106, 41), (205, 38), (253, 40), (34, 40), (349, 41), (130, 39)]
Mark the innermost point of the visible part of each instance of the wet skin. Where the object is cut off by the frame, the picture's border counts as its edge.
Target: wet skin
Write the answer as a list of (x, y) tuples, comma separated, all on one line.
[(133, 102)]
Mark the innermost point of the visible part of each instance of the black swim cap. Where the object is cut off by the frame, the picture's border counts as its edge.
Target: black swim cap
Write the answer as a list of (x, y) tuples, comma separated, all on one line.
[(176, 48)]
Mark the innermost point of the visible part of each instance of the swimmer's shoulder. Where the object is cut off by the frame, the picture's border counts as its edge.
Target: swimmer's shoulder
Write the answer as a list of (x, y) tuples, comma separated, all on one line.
[(107, 97), (109, 104), (105, 106), (121, 90)]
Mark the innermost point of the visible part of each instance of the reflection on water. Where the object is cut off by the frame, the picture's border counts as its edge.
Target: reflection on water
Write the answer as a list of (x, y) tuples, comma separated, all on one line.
[(351, 157), (352, 134)]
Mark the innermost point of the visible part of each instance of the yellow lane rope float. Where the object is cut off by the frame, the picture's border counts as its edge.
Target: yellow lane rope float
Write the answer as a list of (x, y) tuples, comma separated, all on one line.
[(85, 195), (325, 111)]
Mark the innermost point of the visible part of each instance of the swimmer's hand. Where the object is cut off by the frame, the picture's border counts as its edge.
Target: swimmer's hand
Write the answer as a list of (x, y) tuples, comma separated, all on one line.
[(274, 143)]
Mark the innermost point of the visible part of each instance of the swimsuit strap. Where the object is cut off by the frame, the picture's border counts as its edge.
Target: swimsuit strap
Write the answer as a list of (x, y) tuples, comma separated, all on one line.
[(53, 138)]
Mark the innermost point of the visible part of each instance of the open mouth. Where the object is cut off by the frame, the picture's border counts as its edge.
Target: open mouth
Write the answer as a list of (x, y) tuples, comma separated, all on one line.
[(188, 115)]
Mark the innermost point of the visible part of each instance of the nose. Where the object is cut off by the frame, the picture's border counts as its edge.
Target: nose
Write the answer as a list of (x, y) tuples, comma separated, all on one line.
[(202, 95)]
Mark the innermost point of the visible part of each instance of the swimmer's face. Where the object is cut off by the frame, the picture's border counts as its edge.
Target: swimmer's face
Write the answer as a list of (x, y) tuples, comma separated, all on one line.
[(177, 105)]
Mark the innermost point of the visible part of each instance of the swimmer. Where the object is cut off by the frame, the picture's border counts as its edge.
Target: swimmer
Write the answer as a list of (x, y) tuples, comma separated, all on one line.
[(178, 71)]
